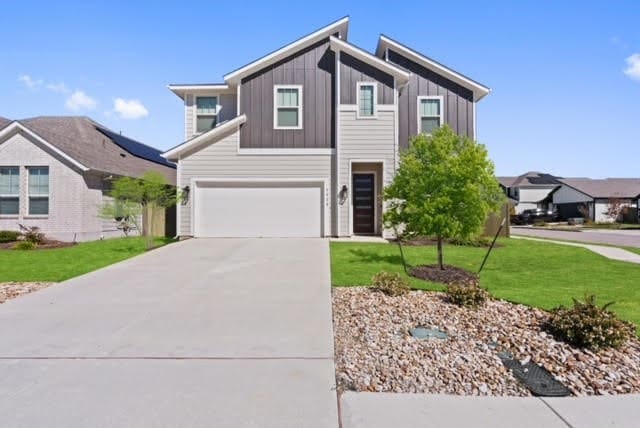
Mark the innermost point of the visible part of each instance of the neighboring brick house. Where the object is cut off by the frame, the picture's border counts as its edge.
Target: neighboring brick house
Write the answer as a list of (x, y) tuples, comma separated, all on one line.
[(302, 141), (54, 172)]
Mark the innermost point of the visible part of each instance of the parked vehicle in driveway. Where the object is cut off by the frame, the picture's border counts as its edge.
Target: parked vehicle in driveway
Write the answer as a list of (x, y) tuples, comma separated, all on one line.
[(536, 215)]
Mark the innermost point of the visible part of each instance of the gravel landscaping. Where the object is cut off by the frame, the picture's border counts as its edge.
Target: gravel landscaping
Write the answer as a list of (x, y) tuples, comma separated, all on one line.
[(11, 290), (375, 352)]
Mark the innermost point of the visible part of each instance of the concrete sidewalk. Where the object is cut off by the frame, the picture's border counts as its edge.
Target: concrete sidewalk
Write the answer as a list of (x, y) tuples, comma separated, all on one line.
[(201, 333), (619, 238), (612, 253), (373, 410)]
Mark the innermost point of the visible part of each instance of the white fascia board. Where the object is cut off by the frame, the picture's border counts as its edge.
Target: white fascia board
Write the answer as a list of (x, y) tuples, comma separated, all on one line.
[(339, 26), (362, 55), (182, 90), (172, 154), (17, 126), (479, 91)]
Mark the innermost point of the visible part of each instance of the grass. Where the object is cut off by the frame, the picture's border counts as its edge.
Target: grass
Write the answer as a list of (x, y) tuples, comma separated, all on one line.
[(534, 273), (60, 264)]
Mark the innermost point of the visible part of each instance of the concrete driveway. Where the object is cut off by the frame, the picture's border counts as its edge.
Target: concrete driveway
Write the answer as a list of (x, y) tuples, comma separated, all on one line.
[(622, 238), (202, 333)]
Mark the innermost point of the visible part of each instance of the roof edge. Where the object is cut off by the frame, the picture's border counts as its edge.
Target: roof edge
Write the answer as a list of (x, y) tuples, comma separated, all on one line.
[(173, 153)]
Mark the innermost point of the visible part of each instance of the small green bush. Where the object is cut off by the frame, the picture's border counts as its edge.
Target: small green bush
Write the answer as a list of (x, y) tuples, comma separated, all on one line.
[(8, 236), (391, 284), (478, 241), (24, 246), (586, 325), (32, 234), (469, 295)]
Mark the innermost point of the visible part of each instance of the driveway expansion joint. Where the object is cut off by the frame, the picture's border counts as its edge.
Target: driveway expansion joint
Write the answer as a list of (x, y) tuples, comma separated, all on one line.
[(556, 413)]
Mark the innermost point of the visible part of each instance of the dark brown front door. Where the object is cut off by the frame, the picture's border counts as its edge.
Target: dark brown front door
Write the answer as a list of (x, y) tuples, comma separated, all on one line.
[(363, 203)]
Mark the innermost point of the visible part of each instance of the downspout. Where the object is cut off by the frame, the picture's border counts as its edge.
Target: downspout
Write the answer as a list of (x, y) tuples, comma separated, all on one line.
[(336, 200)]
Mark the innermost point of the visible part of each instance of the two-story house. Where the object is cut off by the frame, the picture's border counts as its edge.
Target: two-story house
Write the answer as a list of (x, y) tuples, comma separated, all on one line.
[(300, 142)]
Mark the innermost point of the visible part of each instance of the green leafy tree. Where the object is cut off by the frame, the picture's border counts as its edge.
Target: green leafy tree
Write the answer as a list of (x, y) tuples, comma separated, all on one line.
[(444, 187), (149, 193)]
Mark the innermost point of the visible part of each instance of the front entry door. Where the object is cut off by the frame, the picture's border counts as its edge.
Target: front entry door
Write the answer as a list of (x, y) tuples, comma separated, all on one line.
[(364, 202)]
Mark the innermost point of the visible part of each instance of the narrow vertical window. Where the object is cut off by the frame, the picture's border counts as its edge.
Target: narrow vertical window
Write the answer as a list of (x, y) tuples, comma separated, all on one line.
[(206, 113), (367, 99), (287, 107), (9, 190), (429, 114), (38, 190)]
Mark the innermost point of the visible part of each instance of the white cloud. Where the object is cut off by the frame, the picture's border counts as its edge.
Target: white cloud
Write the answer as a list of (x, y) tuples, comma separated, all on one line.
[(633, 66), (129, 109), (80, 101), (30, 82), (59, 88)]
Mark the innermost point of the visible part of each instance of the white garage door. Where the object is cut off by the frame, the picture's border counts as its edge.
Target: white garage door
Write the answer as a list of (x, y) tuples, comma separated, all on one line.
[(231, 210)]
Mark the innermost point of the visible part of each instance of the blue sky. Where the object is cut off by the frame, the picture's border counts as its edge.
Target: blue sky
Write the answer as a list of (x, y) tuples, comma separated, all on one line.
[(561, 100)]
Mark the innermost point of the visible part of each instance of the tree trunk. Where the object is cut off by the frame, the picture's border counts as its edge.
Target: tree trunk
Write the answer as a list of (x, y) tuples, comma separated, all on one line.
[(440, 255)]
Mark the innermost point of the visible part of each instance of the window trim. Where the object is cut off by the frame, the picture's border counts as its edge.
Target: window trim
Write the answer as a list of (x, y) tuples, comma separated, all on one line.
[(275, 106), (38, 195), (375, 100), (11, 195), (195, 111), (419, 116)]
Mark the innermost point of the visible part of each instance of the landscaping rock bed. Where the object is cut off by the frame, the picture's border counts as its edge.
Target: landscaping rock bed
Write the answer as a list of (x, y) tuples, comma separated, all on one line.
[(47, 244), (448, 275), (375, 352), (11, 290)]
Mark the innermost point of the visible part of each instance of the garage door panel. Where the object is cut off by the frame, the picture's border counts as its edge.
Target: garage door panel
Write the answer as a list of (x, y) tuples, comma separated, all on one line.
[(258, 210)]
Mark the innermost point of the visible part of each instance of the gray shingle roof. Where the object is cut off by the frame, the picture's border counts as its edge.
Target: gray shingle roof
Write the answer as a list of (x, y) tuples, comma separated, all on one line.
[(506, 181), (4, 122), (606, 188), (79, 137), (534, 178)]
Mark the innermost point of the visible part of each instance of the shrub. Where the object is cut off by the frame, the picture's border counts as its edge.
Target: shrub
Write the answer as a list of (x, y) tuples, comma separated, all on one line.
[(32, 234), (586, 325), (24, 245), (391, 284), (469, 295), (479, 241), (8, 236)]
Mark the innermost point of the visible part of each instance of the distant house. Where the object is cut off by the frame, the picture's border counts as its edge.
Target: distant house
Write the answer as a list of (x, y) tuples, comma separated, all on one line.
[(595, 195), (55, 172), (530, 190)]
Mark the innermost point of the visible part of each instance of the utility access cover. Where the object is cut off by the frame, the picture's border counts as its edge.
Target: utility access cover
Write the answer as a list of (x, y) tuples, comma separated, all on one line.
[(427, 333)]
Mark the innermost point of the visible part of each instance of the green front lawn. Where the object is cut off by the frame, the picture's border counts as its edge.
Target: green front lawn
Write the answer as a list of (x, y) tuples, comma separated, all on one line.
[(63, 263), (534, 273)]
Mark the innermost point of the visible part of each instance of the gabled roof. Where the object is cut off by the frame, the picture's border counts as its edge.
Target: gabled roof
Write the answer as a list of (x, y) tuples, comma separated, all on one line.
[(627, 188), (478, 89), (340, 26), (197, 141), (91, 146), (534, 178), (4, 122), (364, 56)]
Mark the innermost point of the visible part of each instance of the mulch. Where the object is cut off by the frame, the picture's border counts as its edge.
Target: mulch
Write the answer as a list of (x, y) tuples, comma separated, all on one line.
[(47, 244), (450, 274), (425, 242)]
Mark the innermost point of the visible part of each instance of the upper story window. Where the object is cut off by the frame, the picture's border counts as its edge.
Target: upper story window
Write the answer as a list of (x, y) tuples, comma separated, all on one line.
[(9, 190), (287, 109), (38, 190), (206, 113), (429, 114), (367, 97)]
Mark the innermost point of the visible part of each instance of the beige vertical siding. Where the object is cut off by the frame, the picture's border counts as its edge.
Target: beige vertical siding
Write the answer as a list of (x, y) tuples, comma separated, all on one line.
[(221, 159), (365, 140)]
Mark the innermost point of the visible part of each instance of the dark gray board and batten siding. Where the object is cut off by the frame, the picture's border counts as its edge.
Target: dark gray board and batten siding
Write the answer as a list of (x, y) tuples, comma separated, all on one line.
[(458, 101), (314, 69), (352, 71)]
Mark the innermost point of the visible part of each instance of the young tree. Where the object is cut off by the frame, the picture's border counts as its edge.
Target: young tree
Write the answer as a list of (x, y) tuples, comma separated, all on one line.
[(615, 208), (127, 214), (444, 187), (150, 192)]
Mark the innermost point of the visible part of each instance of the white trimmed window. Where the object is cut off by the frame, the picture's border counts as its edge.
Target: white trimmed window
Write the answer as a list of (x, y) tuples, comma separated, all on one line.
[(38, 190), (9, 190), (206, 113), (367, 97), (287, 107), (429, 114)]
